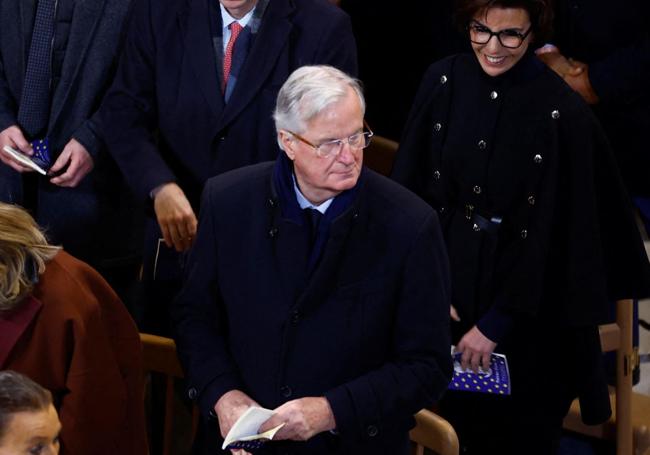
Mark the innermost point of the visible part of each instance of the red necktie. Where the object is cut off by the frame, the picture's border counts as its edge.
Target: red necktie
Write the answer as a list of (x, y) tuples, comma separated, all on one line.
[(235, 30)]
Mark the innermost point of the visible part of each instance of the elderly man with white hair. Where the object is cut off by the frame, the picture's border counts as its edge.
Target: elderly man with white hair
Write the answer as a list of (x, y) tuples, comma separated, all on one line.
[(316, 288)]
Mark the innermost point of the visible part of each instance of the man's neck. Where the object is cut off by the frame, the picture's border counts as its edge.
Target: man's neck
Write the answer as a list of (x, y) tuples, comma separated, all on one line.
[(238, 13)]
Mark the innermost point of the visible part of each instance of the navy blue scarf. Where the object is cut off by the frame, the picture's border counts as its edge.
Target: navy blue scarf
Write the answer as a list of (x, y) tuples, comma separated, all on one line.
[(283, 182)]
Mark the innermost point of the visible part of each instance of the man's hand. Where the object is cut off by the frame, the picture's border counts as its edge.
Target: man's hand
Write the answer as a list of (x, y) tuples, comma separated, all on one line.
[(476, 349), (574, 73), (581, 83), (79, 163), (14, 138), (175, 216), (553, 58), (229, 408), (303, 418)]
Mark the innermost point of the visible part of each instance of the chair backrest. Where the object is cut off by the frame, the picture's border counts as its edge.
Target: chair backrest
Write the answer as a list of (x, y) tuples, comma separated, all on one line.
[(434, 433), (380, 154), (630, 436), (159, 356)]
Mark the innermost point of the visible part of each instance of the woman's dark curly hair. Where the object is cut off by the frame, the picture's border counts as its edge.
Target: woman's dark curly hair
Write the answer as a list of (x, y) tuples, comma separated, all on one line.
[(539, 11)]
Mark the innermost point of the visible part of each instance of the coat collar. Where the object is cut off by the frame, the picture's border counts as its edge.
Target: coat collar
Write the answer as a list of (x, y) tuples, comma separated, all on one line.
[(194, 22), (14, 323), (289, 234), (87, 14), (267, 45)]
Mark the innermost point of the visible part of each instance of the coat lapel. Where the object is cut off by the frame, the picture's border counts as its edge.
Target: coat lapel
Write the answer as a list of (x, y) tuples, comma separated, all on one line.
[(200, 52), (14, 324), (324, 277), (87, 14), (268, 45)]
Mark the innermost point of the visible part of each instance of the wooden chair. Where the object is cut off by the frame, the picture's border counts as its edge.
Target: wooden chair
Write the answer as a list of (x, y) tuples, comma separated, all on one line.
[(380, 154), (159, 356), (630, 418), (434, 433)]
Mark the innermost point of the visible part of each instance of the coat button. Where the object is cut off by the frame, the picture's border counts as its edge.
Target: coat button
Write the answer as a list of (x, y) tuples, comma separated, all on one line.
[(295, 317), (436, 175), (192, 393), (476, 227), (524, 233), (273, 232), (477, 189), (493, 95), (537, 159), (272, 202), (555, 114), (372, 431), (437, 126), (442, 210), (482, 144), (443, 79), (285, 390), (531, 200)]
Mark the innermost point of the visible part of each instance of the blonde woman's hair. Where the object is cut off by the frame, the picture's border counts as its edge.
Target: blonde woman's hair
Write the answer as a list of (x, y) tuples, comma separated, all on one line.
[(22, 243)]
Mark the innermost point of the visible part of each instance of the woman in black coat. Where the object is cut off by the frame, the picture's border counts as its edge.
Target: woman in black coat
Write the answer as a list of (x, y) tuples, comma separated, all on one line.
[(539, 230)]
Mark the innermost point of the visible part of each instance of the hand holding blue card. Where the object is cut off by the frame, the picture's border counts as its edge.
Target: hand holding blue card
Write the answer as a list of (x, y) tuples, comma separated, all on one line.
[(495, 381)]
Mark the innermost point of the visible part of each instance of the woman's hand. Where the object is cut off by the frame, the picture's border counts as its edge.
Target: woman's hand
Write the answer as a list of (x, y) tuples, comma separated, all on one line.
[(476, 349)]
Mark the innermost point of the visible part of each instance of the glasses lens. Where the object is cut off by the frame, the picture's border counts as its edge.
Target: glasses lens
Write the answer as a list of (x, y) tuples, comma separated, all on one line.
[(356, 140), (510, 38), (329, 148), (478, 34)]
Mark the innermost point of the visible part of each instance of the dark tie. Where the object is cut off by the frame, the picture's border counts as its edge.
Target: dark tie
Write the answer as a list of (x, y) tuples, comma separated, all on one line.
[(314, 217), (235, 30), (34, 108)]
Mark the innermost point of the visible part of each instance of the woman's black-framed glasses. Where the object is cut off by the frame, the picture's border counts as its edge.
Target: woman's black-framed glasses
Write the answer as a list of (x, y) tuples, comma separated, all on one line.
[(333, 148), (510, 38)]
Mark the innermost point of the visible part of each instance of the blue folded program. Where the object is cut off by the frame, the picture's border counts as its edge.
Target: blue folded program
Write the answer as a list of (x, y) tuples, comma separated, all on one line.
[(496, 380)]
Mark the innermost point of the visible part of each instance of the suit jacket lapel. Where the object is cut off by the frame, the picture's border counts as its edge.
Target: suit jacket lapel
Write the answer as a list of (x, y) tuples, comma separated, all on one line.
[(268, 44), (87, 14), (200, 52)]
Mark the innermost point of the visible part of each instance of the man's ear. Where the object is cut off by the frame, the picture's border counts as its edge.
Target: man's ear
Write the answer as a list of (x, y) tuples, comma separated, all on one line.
[(288, 144)]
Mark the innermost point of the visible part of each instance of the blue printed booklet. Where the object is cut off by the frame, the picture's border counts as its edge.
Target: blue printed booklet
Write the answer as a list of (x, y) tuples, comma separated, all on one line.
[(496, 380)]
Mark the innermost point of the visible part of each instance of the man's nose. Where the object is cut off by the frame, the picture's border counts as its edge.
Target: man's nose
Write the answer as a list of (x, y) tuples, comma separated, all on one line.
[(346, 154)]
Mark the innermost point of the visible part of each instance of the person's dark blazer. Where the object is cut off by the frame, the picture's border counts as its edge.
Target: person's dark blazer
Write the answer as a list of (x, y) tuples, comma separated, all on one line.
[(369, 330), (169, 79), (93, 44)]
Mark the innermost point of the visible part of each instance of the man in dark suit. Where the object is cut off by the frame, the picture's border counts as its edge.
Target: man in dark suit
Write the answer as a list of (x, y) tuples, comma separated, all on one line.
[(56, 62), (210, 93), (316, 288)]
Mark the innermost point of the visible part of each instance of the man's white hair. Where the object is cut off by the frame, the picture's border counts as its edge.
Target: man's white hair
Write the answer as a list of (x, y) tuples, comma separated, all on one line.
[(307, 92)]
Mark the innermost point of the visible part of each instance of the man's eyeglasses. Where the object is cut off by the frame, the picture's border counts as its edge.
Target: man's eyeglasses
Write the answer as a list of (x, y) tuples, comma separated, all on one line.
[(510, 38), (333, 148)]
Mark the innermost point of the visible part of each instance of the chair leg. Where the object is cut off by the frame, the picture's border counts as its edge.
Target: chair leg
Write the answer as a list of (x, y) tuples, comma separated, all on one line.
[(169, 415), (624, 367)]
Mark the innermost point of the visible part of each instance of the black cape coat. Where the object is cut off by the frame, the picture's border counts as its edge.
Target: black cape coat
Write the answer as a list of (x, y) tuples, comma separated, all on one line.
[(538, 226)]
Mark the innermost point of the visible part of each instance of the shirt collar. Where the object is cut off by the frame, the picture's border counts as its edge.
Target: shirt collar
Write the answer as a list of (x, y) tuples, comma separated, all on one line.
[(304, 202)]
